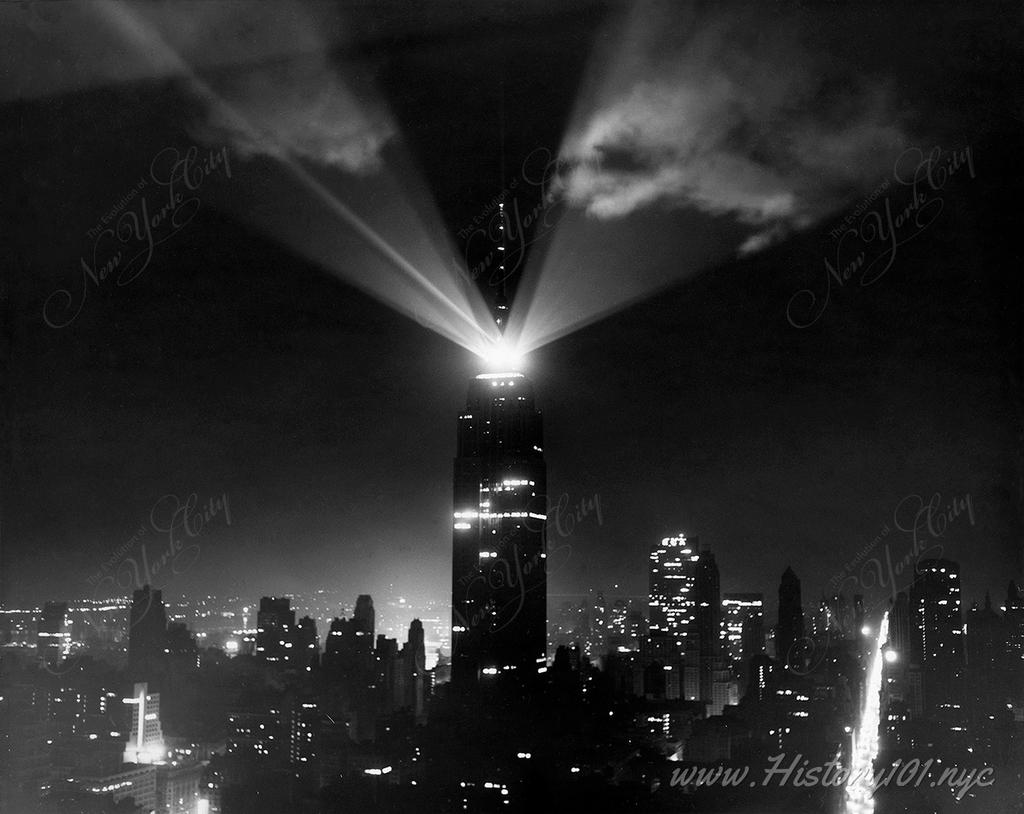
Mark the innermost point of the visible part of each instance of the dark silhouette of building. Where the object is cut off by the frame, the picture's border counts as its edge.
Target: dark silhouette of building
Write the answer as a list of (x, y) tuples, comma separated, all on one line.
[(708, 622), (1013, 613), (181, 646), (147, 630), (306, 645), (388, 665), (349, 647), (365, 615), (597, 637), (859, 614), (275, 624), (790, 629), (499, 583), (282, 641), (986, 637), (410, 672), (899, 627), (992, 676)]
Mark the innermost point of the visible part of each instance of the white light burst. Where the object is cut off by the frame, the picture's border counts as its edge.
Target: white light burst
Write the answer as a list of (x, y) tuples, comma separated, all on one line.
[(860, 786)]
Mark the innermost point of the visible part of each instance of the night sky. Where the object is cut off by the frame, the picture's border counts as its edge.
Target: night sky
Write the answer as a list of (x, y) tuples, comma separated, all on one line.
[(236, 363)]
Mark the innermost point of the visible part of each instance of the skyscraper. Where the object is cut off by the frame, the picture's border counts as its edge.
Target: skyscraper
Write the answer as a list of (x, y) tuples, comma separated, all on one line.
[(365, 615), (275, 624), (305, 653), (937, 630), (991, 677), (985, 642), (413, 671), (743, 626), (900, 626), (708, 621), (147, 630), (146, 741), (790, 630), (300, 722), (348, 649), (672, 596), (499, 574)]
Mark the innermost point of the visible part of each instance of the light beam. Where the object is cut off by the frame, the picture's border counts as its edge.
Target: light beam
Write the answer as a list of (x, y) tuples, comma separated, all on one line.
[(433, 293), (860, 787)]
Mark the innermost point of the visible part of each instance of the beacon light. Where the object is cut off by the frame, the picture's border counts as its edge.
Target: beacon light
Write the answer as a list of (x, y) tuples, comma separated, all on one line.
[(502, 355)]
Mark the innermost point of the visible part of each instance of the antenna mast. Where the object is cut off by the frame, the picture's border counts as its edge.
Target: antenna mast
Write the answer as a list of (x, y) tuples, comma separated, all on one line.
[(501, 300)]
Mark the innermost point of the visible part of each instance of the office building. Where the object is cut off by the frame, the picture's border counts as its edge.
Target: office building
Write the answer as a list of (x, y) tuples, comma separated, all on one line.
[(936, 631), (146, 740), (672, 575), (499, 584), (742, 626)]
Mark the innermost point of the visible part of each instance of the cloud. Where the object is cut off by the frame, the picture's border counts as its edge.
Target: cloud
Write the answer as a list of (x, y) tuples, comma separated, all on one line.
[(284, 90), (299, 108), (734, 114), (271, 75)]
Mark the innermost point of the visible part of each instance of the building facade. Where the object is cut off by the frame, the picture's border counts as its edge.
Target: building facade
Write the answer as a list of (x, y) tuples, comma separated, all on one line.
[(499, 573), (672, 602), (936, 628), (742, 626)]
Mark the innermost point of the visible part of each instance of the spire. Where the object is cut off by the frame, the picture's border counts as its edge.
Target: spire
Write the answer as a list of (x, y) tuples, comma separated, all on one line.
[(501, 300)]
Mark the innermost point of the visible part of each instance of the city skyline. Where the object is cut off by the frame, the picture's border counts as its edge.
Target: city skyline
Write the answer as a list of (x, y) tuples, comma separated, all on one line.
[(914, 674), (672, 620)]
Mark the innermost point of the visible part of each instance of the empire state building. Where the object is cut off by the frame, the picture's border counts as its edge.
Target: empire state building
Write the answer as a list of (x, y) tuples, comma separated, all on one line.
[(499, 573)]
